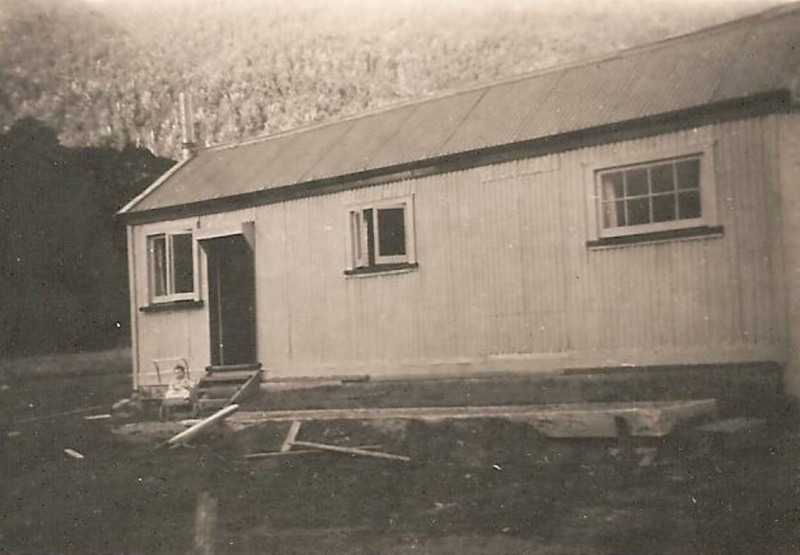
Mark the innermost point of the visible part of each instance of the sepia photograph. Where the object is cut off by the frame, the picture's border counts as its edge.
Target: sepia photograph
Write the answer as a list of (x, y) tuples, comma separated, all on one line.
[(399, 277)]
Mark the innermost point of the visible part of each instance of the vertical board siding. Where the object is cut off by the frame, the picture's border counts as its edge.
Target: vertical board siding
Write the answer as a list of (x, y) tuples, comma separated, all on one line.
[(504, 266), (692, 292), (788, 220), (504, 269), (776, 242), (178, 333)]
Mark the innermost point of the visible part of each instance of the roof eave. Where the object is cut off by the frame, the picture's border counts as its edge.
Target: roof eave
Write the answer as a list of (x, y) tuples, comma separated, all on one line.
[(128, 208), (776, 101)]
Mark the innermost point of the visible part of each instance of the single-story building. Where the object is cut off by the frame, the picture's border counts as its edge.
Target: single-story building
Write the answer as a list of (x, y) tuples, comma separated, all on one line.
[(638, 209)]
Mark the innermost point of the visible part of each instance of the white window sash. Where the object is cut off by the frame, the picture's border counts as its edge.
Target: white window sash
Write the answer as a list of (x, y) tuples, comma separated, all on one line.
[(358, 229), (358, 239), (704, 151), (169, 265), (158, 267)]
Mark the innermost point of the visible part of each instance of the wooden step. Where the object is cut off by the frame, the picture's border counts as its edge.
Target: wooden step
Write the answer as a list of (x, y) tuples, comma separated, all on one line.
[(232, 376), (209, 404), (205, 390), (224, 385), (250, 367)]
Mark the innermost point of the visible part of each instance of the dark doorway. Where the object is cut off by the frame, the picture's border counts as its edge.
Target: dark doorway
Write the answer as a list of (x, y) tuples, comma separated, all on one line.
[(232, 310)]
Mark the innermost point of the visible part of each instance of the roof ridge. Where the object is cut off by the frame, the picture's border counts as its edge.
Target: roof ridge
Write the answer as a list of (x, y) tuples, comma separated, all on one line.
[(725, 26)]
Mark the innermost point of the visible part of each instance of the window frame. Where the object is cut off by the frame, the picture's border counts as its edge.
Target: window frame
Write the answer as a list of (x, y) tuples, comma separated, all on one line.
[(359, 258), (673, 229), (169, 263)]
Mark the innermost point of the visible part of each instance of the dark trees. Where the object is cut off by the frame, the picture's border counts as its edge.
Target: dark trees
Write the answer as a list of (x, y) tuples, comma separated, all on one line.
[(63, 275)]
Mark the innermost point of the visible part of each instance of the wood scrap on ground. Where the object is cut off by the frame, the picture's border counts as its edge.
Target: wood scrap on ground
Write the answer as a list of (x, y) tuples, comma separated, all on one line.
[(59, 414), (104, 416), (314, 447), (294, 429), (74, 454), (352, 451), (272, 454), (187, 435)]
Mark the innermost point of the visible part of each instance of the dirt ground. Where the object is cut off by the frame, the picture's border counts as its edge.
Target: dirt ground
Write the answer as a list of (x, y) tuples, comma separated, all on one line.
[(481, 487)]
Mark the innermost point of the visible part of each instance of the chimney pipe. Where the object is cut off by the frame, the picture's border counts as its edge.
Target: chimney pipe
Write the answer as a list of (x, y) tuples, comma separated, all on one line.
[(188, 145)]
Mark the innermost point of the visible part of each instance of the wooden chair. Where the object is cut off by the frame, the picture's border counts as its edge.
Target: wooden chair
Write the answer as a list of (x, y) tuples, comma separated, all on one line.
[(170, 406)]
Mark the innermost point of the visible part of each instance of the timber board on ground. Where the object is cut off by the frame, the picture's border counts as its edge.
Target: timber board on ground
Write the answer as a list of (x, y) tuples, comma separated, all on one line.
[(645, 419)]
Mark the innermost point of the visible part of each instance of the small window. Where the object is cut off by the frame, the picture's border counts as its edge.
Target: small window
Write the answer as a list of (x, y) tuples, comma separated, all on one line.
[(171, 261), (381, 236), (655, 196)]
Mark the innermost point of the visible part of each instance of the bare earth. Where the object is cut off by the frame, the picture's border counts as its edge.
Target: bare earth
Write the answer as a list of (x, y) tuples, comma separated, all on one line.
[(478, 487)]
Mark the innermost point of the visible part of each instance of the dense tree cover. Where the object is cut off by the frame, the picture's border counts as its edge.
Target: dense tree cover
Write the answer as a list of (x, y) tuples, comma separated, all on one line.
[(109, 73), (63, 273), (89, 89)]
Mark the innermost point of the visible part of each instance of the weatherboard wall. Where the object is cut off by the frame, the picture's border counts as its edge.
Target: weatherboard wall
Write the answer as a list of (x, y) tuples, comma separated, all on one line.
[(506, 281), (173, 332), (788, 233)]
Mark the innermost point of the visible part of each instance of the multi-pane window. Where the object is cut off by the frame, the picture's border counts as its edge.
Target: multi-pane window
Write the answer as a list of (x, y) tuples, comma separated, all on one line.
[(381, 235), (655, 195), (171, 264)]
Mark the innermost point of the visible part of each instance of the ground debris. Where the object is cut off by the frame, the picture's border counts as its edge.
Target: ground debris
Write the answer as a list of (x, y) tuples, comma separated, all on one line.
[(74, 454)]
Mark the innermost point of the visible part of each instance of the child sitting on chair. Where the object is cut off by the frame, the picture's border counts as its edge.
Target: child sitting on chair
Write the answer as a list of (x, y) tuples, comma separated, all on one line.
[(178, 394), (181, 387)]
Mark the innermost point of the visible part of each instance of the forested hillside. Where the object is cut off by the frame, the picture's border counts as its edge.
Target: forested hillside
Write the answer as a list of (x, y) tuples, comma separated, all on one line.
[(109, 72), (88, 89)]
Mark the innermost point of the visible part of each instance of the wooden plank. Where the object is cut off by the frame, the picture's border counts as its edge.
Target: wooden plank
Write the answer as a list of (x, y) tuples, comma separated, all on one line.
[(624, 440), (187, 435), (646, 418), (104, 416), (271, 454), (216, 391), (734, 425), (211, 403), (246, 388), (252, 366), (59, 414), (74, 454), (733, 434), (294, 429), (205, 523), (234, 376), (351, 451)]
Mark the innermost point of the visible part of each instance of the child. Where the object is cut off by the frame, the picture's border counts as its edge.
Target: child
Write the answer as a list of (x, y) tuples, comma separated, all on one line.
[(180, 388)]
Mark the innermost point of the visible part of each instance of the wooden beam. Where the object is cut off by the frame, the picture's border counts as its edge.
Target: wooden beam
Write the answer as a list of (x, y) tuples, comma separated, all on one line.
[(244, 389), (205, 523), (271, 454), (59, 414), (351, 451), (294, 429), (187, 435)]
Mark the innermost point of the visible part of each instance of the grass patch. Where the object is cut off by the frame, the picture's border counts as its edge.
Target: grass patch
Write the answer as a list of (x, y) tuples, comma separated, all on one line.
[(116, 361)]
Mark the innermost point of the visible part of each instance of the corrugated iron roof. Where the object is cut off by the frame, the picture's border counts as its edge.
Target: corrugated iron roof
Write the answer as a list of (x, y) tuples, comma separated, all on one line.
[(751, 56)]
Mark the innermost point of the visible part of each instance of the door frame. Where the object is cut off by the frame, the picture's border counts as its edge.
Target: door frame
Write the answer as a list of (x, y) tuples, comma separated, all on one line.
[(205, 237)]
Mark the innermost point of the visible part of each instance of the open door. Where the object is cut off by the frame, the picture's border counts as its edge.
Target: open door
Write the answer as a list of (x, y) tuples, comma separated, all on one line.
[(232, 296)]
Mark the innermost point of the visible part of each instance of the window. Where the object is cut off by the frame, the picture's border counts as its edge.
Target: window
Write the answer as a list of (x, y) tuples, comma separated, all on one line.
[(381, 237), (662, 198), (641, 195), (171, 261)]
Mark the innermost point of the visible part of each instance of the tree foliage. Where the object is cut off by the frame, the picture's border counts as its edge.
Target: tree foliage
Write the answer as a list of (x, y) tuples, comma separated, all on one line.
[(88, 91), (110, 74), (63, 267)]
